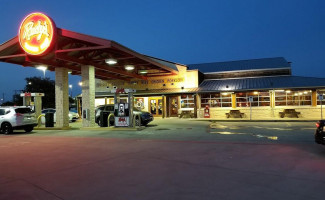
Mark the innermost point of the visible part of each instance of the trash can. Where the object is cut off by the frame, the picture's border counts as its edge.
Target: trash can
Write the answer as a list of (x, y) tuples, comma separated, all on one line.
[(49, 119), (103, 119)]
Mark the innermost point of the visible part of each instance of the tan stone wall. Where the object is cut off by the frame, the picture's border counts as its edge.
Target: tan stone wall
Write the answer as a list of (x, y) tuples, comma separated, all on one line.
[(307, 112)]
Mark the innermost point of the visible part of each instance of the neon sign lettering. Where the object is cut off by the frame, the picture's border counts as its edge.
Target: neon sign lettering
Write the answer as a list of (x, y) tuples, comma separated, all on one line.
[(39, 29)]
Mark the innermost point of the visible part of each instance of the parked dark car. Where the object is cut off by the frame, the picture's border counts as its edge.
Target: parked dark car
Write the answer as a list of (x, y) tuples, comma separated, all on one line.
[(146, 117), (320, 132)]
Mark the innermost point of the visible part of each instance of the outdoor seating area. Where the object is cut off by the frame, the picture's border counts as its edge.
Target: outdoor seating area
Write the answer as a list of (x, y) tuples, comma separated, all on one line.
[(186, 114), (235, 114), (289, 113)]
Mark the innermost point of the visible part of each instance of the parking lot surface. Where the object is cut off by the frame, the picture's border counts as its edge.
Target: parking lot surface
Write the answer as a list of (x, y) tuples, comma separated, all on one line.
[(169, 159)]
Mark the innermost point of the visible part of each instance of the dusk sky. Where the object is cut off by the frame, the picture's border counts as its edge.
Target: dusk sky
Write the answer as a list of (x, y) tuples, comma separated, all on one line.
[(182, 31)]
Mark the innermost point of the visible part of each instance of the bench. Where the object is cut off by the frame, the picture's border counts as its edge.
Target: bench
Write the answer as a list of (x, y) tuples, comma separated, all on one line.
[(235, 114), (186, 114), (289, 113)]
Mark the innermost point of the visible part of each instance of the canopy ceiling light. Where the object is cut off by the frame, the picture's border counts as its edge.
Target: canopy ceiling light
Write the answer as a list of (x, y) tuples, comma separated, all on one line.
[(129, 67), (111, 61), (143, 71)]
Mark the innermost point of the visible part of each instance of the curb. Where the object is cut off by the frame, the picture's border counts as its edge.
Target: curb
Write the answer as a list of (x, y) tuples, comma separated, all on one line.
[(247, 120), (54, 128), (111, 128)]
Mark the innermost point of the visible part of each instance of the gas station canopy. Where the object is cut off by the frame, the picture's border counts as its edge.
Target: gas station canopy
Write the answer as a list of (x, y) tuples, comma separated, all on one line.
[(72, 50)]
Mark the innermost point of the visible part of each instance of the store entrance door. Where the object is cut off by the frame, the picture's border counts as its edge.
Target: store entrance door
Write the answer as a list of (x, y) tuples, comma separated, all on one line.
[(173, 106), (156, 106)]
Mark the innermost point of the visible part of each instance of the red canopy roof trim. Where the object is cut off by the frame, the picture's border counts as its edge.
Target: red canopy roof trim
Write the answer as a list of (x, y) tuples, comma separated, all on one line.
[(72, 50)]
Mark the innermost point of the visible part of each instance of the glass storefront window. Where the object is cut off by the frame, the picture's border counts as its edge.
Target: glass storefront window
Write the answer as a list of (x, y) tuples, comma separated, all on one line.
[(293, 98), (319, 101), (187, 101), (216, 100), (260, 98)]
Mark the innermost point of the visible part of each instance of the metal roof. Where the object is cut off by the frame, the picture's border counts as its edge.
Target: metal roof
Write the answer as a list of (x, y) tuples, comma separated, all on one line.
[(239, 65), (275, 82), (169, 64)]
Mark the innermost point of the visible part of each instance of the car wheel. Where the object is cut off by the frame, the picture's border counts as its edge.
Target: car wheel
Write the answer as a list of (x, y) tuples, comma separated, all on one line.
[(137, 121), (28, 129), (6, 128), (145, 123)]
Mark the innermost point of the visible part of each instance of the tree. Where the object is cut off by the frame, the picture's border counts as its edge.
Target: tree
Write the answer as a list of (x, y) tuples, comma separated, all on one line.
[(8, 103), (42, 85), (17, 99)]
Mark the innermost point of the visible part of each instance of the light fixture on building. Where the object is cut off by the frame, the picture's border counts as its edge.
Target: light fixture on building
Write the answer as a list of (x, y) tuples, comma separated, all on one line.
[(129, 67), (80, 83), (305, 92), (300, 93), (143, 71), (224, 93), (111, 61), (255, 92), (288, 91)]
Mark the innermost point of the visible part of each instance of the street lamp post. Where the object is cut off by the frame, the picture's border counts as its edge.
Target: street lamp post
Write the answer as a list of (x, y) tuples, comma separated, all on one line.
[(70, 86), (42, 68)]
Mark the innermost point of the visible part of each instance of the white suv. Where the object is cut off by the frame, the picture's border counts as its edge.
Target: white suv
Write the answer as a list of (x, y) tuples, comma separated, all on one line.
[(13, 118)]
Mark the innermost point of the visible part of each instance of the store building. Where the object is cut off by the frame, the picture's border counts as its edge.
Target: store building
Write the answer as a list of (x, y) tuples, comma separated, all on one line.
[(257, 88)]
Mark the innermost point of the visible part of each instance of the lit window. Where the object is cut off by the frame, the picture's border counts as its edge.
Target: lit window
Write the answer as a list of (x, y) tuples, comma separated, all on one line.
[(216, 99), (187, 101), (260, 98), (293, 98)]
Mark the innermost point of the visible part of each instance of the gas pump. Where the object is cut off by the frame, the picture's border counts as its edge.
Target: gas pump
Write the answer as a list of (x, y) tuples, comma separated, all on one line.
[(123, 112), (36, 105)]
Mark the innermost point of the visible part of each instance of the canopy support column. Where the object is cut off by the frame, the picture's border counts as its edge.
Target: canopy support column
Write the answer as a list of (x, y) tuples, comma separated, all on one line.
[(88, 95), (62, 97)]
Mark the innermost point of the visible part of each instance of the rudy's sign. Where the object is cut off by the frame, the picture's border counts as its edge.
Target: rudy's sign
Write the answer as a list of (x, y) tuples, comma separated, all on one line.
[(36, 33)]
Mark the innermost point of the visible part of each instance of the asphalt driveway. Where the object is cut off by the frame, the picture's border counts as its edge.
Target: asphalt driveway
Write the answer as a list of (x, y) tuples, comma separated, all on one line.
[(170, 159)]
